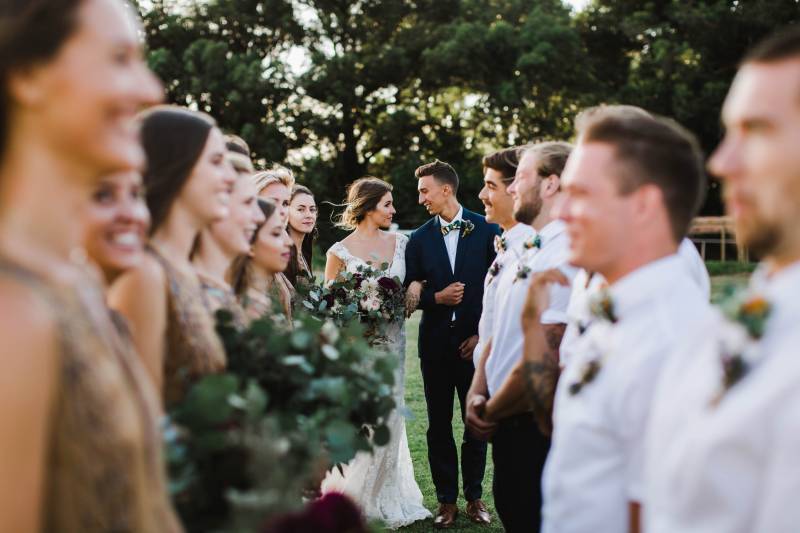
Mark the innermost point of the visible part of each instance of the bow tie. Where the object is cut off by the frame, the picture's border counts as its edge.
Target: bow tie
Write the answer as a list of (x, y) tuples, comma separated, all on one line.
[(453, 226)]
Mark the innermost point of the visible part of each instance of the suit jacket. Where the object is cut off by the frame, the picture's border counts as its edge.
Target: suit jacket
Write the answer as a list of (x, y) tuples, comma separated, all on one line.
[(427, 260)]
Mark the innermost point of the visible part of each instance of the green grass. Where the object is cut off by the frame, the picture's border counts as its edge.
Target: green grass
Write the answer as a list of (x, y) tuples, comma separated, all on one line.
[(416, 427)]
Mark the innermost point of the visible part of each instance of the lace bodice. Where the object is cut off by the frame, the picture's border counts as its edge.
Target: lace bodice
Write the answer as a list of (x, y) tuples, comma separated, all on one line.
[(396, 269)]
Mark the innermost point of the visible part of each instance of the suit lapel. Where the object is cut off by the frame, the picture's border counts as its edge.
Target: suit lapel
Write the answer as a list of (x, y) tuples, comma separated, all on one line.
[(463, 245)]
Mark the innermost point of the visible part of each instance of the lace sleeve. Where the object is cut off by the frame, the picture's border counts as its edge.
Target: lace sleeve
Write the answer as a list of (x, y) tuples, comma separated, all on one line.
[(400, 248)]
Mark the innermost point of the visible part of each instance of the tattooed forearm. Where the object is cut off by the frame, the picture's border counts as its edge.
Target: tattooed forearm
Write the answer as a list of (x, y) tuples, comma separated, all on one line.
[(541, 374)]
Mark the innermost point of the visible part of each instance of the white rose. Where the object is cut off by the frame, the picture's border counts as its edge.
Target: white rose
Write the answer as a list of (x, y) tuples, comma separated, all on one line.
[(371, 303)]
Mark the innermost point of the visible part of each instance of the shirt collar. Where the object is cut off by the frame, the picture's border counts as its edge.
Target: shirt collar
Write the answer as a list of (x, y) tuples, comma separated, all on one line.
[(518, 233), (459, 216), (552, 230), (780, 289), (640, 285)]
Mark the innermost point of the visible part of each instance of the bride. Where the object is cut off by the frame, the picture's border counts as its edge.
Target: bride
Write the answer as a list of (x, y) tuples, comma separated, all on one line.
[(382, 483)]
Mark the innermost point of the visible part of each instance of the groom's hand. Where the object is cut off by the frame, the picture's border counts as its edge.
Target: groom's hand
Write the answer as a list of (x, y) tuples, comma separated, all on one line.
[(467, 347), (450, 295), (480, 428)]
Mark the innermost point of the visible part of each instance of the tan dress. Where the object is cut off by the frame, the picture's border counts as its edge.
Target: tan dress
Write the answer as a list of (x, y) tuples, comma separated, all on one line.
[(218, 296), (104, 471), (193, 348)]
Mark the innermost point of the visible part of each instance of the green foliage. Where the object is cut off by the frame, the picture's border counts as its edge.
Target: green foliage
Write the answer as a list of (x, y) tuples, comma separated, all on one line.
[(720, 268), (246, 443), (390, 84)]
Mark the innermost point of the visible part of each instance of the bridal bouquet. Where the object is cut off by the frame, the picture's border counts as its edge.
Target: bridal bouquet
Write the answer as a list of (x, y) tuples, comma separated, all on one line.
[(367, 294)]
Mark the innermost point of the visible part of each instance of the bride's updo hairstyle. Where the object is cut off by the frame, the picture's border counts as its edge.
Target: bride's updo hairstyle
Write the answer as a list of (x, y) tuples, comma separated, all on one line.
[(31, 32), (363, 196), (173, 139)]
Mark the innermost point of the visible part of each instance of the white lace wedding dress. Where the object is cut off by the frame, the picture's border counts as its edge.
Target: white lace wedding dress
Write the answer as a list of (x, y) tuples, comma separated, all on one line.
[(382, 483)]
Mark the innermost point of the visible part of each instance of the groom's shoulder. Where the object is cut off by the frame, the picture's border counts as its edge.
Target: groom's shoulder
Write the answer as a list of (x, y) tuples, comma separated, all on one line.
[(423, 228)]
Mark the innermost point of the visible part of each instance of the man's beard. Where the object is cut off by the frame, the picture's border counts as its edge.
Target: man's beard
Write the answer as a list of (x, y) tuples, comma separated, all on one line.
[(530, 209), (761, 237)]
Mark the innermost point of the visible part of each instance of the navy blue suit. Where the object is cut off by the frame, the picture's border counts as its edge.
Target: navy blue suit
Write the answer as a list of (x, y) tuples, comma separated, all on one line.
[(444, 372)]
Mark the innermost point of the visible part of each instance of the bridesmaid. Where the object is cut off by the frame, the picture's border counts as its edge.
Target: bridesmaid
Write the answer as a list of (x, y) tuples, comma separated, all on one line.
[(255, 275), (223, 241), (188, 182), (78, 442), (276, 185), (302, 229)]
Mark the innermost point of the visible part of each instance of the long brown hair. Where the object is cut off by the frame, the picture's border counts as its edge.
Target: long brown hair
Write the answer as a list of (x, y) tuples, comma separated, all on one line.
[(363, 196), (307, 248), (241, 271), (31, 32), (173, 139)]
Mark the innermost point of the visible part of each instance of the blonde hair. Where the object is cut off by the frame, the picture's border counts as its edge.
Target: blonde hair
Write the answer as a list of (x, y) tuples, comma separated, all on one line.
[(363, 196), (277, 174)]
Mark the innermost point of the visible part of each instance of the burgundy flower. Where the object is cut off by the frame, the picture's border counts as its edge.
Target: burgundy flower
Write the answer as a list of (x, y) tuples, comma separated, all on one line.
[(388, 284), (328, 299), (333, 513), (359, 280)]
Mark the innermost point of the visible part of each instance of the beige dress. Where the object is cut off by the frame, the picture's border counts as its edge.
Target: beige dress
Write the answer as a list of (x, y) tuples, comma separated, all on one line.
[(105, 470), (193, 348)]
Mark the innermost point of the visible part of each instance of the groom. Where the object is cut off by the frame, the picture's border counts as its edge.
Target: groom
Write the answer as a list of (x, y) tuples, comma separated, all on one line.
[(451, 253)]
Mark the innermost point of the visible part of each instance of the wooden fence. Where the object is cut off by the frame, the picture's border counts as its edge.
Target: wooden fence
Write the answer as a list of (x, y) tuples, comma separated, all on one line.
[(717, 231)]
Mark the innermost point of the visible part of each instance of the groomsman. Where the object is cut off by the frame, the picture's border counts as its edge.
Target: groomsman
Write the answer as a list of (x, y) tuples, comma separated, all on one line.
[(519, 447), (498, 172), (632, 186), (451, 253), (725, 436)]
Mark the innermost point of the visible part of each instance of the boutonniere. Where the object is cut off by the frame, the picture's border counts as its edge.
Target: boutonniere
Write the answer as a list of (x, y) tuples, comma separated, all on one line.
[(467, 228), (535, 242), (602, 306), (522, 272), (500, 244), (494, 270), (746, 319)]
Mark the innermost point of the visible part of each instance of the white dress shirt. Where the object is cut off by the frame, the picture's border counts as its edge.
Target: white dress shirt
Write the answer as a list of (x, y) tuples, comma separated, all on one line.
[(583, 289), (451, 239), (511, 293), (514, 238), (730, 465), (595, 466)]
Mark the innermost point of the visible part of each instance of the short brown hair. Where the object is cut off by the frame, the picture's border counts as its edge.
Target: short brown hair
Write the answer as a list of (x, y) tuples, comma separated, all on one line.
[(620, 110), (551, 156), (658, 151), (442, 172), (780, 46), (504, 161)]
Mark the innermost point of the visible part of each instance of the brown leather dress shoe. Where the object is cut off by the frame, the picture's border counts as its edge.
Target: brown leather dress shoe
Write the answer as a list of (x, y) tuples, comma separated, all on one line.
[(478, 513), (445, 516)]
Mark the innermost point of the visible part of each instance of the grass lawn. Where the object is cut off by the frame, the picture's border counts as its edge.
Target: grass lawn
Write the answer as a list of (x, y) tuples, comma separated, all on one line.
[(417, 426)]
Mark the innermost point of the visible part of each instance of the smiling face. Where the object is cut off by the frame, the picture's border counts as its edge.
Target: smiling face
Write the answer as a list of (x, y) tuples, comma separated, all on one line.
[(303, 213), (207, 192), (383, 213), (116, 223), (433, 195), (497, 202), (526, 189), (280, 195), (271, 248), (235, 233), (759, 160), (84, 101), (597, 215)]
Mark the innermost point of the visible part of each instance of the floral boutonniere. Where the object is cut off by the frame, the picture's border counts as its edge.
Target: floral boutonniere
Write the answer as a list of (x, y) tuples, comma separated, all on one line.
[(535, 242), (522, 272), (602, 306), (467, 227), (746, 320), (500, 244), (494, 270)]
